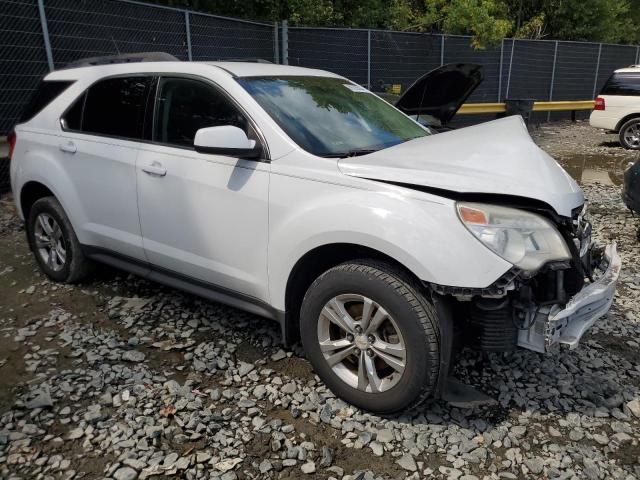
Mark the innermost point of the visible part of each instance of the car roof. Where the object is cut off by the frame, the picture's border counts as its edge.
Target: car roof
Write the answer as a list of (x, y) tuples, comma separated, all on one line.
[(255, 69), (629, 69), (235, 69)]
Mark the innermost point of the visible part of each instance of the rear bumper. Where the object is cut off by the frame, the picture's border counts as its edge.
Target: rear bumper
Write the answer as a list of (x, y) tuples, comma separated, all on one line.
[(599, 119), (555, 325)]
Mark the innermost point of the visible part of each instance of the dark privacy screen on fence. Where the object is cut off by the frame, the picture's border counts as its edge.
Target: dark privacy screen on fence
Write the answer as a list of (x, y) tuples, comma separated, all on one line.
[(39, 35)]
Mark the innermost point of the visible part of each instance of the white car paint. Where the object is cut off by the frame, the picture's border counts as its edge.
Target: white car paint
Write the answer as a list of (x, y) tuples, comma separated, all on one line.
[(242, 225), (312, 203), (497, 156), (207, 217)]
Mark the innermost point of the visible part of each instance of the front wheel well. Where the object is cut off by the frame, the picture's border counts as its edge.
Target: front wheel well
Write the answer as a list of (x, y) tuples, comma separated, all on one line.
[(625, 120), (30, 193), (311, 266)]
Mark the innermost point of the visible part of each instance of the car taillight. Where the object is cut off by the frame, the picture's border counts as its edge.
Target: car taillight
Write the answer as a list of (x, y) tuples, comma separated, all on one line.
[(11, 140), (600, 105)]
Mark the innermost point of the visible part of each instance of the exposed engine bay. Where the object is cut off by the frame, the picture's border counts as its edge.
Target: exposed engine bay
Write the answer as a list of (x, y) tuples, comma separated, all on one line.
[(554, 306)]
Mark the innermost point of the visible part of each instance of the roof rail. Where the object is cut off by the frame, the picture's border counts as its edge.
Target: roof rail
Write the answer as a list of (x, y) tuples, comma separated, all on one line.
[(249, 60), (123, 58)]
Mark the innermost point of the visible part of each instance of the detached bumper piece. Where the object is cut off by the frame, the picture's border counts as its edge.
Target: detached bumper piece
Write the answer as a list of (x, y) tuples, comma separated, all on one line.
[(556, 325)]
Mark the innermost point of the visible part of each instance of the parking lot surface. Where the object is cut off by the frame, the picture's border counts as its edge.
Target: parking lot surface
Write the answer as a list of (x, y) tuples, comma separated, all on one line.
[(123, 378)]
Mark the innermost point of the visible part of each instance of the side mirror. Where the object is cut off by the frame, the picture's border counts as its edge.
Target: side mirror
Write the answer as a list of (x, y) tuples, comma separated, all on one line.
[(226, 140)]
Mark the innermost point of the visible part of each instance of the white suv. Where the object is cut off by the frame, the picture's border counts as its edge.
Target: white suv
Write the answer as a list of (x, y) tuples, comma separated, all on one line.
[(300, 196), (618, 107)]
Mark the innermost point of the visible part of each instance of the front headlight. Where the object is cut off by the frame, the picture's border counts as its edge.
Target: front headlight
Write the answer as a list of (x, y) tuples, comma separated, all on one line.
[(525, 239)]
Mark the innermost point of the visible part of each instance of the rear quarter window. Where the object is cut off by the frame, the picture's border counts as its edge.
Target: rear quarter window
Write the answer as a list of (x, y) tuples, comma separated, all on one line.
[(46, 92), (622, 84)]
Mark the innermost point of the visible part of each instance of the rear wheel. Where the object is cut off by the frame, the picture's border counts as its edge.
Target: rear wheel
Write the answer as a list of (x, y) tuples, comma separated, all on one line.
[(630, 134), (371, 336), (54, 243)]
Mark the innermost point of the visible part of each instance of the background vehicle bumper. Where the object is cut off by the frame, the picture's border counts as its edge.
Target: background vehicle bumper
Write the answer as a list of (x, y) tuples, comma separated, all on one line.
[(599, 119), (566, 325)]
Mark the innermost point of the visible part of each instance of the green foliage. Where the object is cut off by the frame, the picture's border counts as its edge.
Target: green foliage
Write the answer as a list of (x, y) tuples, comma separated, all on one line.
[(488, 21), (485, 20)]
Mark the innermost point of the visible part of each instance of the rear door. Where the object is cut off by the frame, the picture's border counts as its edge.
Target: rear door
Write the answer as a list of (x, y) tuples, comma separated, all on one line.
[(203, 216), (99, 146)]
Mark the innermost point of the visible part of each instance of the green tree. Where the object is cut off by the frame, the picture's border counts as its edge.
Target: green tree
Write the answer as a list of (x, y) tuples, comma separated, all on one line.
[(488, 21), (485, 20)]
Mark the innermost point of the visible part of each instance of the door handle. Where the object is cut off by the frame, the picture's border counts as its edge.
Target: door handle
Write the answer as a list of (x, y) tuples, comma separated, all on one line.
[(68, 147), (156, 169)]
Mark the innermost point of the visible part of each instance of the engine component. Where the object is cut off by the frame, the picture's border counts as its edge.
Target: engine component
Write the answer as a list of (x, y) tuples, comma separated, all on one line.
[(492, 325)]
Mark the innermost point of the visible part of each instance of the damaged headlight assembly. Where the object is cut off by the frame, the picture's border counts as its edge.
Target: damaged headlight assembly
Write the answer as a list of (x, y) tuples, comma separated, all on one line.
[(522, 238)]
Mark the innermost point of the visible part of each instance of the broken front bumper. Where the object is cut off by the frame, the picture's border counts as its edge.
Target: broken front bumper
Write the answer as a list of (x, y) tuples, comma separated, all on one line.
[(555, 324)]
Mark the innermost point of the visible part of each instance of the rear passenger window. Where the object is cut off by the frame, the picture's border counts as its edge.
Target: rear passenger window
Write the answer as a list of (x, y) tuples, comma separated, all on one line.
[(113, 107), (622, 84), (46, 92), (185, 106)]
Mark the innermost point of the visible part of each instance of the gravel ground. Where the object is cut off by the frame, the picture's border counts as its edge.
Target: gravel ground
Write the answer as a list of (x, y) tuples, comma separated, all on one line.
[(126, 379)]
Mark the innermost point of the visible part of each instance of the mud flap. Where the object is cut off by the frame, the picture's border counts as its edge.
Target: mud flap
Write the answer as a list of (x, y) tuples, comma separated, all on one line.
[(449, 388)]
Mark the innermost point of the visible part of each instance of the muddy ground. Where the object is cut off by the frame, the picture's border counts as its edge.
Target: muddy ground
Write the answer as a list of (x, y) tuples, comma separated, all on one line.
[(123, 378)]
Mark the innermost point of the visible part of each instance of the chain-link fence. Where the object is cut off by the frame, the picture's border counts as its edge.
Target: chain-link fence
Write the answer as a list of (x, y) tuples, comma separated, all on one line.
[(41, 35)]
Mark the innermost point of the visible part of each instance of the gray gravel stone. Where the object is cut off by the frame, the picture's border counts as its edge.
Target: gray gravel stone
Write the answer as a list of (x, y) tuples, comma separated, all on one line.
[(133, 356), (407, 462), (308, 468), (125, 473)]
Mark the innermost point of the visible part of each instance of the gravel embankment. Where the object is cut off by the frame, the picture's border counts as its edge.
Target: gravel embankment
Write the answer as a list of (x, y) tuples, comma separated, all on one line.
[(126, 379)]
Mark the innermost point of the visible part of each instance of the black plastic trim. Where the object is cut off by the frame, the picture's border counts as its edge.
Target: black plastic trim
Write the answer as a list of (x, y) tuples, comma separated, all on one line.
[(243, 153), (183, 282)]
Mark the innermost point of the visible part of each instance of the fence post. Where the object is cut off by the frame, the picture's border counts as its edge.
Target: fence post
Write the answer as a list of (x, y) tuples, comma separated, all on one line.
[(500, 74), (442, 37), (595, 80), (45, 34), (513, 47), (369, 59), (637, 55), (553, 77), (285, 43), (187, 28), (276, 47)]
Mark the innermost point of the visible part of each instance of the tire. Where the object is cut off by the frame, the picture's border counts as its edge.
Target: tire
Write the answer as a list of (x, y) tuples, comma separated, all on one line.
[(68, 264), (629, 134), (349, 288)]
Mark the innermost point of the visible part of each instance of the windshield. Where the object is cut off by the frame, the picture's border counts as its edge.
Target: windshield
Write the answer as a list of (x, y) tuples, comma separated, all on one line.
[(331, 117)]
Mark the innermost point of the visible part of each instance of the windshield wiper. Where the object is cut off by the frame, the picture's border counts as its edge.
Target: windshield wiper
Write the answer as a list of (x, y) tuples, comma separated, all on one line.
[(356, 152)]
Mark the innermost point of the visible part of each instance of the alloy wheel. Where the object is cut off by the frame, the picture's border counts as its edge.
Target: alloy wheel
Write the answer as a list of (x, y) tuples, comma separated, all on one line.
[(49, 242), (632, 135), (362, 343)]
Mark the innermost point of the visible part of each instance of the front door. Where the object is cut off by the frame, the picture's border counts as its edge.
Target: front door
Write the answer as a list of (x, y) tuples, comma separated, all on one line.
[(202, 216)]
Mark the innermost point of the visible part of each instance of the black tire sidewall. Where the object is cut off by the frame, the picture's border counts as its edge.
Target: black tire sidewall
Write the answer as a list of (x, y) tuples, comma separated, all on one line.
[(420, 354), (51, 207), (621, 134)]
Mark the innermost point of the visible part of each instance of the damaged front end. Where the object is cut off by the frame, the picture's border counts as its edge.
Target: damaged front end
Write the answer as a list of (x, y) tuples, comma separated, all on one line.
[(541, 309)]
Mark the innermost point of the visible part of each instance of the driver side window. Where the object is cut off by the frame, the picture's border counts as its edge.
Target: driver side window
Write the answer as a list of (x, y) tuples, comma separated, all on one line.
[(184, 106)]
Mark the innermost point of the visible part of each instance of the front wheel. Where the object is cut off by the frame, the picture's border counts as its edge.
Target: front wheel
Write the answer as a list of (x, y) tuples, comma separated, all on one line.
[(630, 134), (371, 336)]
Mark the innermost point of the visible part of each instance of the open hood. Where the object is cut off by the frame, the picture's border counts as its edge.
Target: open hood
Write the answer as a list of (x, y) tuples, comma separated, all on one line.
[(497, 157), (441, 92)]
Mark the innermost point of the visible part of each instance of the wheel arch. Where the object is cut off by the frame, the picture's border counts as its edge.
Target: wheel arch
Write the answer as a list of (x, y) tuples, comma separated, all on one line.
[(30, 193), (311, 265), (625, 120)]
